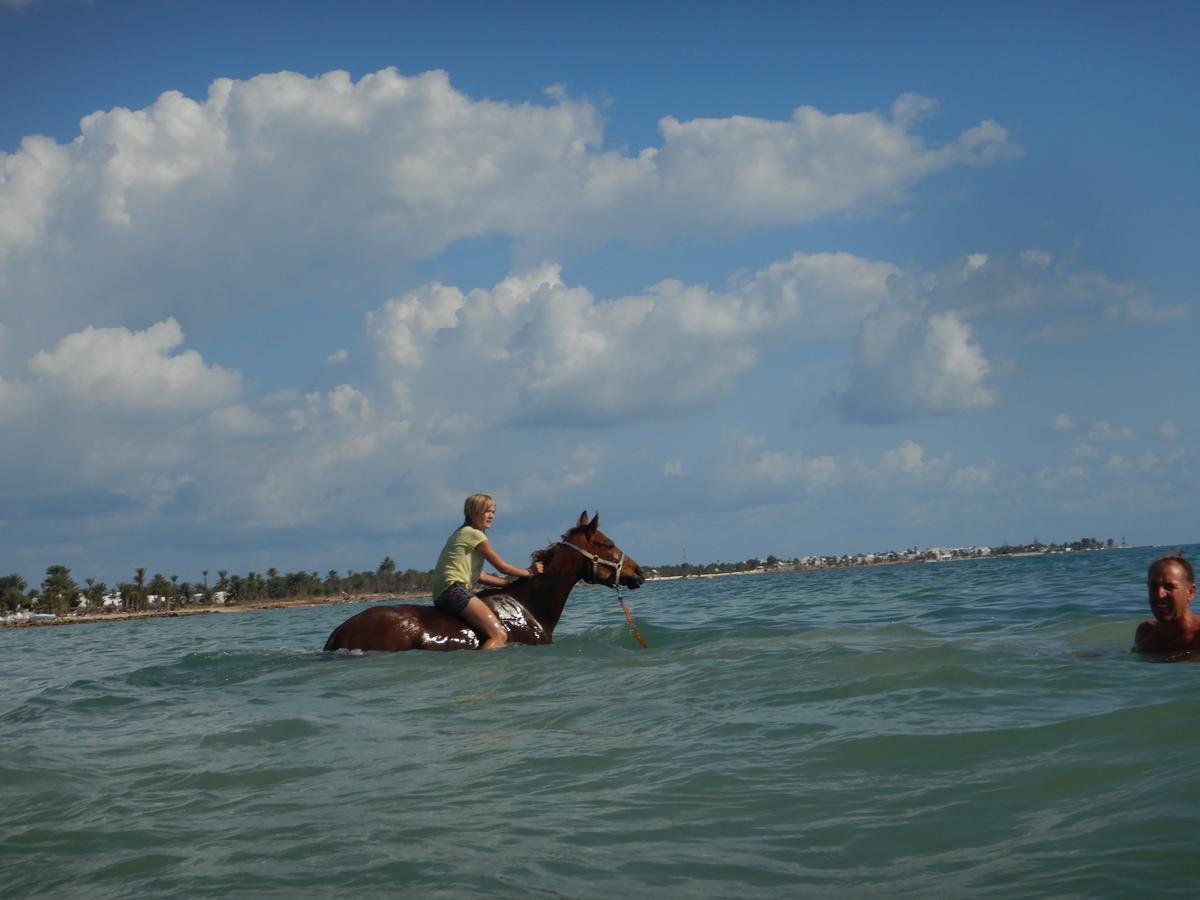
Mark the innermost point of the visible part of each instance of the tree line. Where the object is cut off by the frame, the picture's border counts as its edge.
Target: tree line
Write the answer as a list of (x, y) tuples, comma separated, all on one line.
[(60, 592)]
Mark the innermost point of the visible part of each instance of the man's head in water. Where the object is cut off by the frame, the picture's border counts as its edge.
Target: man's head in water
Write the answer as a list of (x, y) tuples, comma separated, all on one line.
[(1172, 585)]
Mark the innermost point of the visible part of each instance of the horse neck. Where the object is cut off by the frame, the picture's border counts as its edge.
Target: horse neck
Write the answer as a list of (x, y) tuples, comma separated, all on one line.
[(546, 595)]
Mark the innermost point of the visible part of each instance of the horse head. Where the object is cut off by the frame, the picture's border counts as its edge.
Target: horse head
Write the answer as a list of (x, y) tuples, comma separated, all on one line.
[(603, 562)]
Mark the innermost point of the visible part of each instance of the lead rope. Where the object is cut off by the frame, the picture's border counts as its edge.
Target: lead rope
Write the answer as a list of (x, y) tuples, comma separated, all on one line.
[(616, 586), (628, 618)]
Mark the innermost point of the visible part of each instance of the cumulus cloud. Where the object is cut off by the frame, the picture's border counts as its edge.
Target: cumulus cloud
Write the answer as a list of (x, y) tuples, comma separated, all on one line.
[(921, 351), (161, 428), (748, 465), (118, 368), (909, 457), (279, 184), (553, 352), (905, 466), (1062, 422), (741, 171), (912, 363), (972, 478)]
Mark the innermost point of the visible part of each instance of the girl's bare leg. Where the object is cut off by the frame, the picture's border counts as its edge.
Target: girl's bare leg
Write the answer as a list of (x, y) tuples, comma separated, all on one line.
[(481, 616)]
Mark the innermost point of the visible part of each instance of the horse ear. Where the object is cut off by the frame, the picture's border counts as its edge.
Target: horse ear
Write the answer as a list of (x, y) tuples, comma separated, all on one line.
[(582, 520), (594, 524)]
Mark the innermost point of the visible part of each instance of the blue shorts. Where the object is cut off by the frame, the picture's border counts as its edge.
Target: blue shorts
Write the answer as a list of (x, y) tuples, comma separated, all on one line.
[(454, 599)]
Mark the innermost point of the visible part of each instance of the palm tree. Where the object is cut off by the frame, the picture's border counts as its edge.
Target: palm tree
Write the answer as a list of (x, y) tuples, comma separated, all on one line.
[(58, 587), (159, 586), (174, 590), (139, 578), (204, 572), (96, 592), (12, 591), (274, 587)]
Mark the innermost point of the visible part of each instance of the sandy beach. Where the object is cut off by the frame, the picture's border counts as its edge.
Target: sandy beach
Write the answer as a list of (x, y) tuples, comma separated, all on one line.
[(86, 618)]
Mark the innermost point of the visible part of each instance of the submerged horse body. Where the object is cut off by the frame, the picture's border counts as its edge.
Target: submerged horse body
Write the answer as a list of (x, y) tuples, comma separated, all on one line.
[(528, 608)]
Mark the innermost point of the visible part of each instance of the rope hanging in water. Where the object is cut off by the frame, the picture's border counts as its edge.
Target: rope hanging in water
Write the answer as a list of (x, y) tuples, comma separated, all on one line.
[(628, 618)]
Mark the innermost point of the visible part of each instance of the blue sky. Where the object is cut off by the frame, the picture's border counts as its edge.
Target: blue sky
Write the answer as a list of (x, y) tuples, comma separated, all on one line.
[(280, 283)]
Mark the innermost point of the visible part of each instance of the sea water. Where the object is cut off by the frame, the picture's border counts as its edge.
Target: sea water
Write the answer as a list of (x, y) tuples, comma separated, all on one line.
[(974, 728)]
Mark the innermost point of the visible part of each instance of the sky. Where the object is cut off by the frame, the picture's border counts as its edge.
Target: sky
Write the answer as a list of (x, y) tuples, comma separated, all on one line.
[(282, 282)]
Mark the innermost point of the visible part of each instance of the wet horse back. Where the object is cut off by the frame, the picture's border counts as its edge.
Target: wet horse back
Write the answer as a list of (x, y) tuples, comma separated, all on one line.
[(522, 626)]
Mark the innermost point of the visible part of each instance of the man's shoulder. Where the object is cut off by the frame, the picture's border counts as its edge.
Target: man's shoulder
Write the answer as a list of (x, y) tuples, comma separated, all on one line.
[(1148, 636), (1155, 637)]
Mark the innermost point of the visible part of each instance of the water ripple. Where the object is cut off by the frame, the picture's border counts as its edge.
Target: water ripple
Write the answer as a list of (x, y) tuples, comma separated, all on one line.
[(960, 729)]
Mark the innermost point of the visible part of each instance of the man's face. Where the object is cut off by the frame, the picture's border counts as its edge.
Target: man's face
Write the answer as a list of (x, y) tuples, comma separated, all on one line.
[(1170, 591)]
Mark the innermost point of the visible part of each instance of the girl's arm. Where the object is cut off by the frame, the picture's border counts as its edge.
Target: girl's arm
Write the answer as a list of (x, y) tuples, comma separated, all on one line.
[(485, 547)]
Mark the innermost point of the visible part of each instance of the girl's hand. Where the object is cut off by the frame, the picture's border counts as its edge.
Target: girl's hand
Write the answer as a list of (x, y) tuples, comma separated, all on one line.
[(536, 569)]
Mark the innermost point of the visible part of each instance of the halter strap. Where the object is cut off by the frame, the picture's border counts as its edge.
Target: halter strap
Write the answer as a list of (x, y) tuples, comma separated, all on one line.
[(598, 560)]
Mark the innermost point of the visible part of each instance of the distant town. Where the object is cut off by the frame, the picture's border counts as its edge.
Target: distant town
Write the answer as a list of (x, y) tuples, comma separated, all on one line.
[(886, 557), (60, 597)]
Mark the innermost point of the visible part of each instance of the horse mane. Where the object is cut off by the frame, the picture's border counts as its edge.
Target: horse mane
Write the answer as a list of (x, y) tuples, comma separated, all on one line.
[(543, 555)]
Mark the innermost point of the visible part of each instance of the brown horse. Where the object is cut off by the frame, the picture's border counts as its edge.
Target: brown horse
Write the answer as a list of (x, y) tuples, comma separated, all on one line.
[(528, 608)]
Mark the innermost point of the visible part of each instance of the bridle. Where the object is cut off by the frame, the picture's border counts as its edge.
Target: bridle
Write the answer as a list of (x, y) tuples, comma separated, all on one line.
[(592, 575)]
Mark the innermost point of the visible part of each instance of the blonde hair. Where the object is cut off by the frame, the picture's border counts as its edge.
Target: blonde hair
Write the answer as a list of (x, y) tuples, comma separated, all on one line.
[(476, 505)]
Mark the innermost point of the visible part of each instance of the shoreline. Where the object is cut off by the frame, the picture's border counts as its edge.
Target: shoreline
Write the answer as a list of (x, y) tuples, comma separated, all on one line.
[(304, 602), (258, 605)]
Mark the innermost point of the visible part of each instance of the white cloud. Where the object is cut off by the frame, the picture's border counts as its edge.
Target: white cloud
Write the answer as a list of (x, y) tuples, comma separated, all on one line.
[(749, 465), (915, 362), (828, 292), (971, 478), (1035, 259), (281, 183), (338, 356), (1062, 422), (908, 457), (974, 261), (906, 461), (918, 353), (673, 469), (552, 352), (741, 171), (117, 368), (1144, 309), (238, 421), (910, 108), (1168, 430)]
